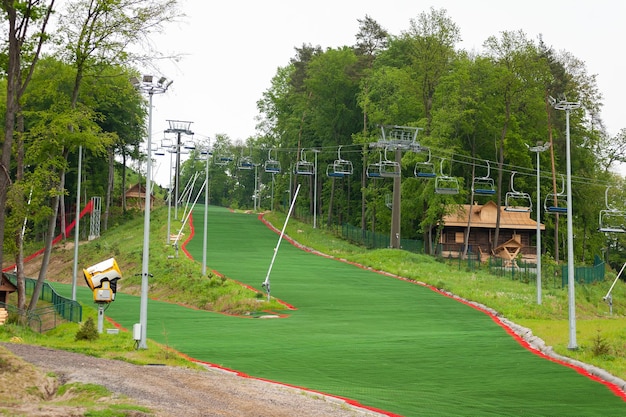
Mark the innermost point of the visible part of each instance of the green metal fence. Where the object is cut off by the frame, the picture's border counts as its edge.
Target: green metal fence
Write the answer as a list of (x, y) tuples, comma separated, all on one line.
[(584, 274), (374, 240), (46, 318)]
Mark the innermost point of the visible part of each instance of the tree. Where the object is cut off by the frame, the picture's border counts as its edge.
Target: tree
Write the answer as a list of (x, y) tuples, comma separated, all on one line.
[(518, 67), (431, 40), (20, 60)]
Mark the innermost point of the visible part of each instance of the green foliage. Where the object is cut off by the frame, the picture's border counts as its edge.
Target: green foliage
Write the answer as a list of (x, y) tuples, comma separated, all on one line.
[(87, 331), (600, 346)]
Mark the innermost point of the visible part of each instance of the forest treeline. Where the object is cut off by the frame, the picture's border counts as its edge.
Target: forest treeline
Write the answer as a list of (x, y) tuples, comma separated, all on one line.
[(478, 114)]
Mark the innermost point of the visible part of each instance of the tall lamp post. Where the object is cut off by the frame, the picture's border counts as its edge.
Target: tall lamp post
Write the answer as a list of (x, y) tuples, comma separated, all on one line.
[(538, 149), (207, 153), (150, 85), (315, 191), (568, 106)]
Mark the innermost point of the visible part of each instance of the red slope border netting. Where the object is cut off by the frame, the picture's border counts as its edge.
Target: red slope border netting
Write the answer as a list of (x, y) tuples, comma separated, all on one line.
[(88, 209)]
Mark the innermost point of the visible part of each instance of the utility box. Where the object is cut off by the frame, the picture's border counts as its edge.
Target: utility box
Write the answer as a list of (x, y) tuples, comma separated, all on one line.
[(137, 331)]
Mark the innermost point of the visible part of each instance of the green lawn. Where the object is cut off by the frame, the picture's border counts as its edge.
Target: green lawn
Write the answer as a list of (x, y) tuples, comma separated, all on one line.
[(385, 343)]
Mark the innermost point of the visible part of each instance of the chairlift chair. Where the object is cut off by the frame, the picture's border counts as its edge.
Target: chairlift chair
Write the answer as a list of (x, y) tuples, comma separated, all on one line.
[(556, 202), (425, 169), (446, 184), (304, 167), (516, 201), (340, 167), (373, 170), (272, 166), (484, 185), (223, 158), (245, 163), (612, 220), (389, 169)]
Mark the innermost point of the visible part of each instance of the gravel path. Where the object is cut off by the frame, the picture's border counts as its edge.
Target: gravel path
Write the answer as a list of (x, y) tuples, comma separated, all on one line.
[(174, 392)]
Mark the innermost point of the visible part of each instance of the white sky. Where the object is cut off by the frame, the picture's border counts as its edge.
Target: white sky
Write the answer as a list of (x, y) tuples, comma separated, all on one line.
[(233, 48)]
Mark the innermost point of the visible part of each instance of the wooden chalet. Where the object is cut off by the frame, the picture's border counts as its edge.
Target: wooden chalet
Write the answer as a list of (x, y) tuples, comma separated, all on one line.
[(517, 231), (136, 197), (6, 288)]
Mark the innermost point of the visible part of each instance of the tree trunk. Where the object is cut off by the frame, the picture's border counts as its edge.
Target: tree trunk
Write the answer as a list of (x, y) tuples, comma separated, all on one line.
[(500, 165), (330, 203), (124, 182), (46, 254), (110, 184)]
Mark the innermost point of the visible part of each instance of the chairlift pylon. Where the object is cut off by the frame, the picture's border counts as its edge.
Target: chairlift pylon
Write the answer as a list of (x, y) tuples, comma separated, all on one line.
[(340, 167), (516, 201), (556, 202), (484, 185), (446, 184)]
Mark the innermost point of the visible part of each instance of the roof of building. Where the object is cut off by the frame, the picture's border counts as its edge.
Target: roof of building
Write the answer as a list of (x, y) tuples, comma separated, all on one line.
[(484, 216)]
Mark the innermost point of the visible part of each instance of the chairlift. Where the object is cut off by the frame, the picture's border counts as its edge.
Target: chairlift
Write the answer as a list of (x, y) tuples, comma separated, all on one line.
[(304, 167), (556, 202), (245, 162), (389, 201), (425, 169), (611, 219), (516, 201), (484, 185), (340, 167), (223, 159), (446, 184), (373, 170), (389, 169), (272, 166)]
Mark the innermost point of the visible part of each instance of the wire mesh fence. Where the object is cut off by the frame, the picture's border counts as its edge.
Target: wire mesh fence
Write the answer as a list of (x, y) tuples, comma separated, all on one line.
[(46, 318)]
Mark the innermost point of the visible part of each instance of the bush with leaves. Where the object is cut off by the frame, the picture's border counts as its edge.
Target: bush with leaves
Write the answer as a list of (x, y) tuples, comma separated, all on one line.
[(87, 331)]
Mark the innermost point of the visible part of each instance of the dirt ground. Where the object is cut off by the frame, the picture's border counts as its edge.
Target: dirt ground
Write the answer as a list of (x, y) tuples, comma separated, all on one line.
[(30, 377)]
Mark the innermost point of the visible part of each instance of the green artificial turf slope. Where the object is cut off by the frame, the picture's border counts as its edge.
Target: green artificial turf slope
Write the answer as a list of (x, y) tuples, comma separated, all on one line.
[(386, 343)]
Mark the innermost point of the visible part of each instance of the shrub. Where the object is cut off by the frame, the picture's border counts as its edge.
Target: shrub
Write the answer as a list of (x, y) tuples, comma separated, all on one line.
[(600, 347), (87, 331)]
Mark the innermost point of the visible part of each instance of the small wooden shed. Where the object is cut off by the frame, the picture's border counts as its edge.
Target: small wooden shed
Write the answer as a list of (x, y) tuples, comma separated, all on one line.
[(136, 196), (6, 288)]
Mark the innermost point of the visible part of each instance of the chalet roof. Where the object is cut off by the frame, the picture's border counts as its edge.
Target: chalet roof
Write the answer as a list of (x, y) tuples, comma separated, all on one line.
[(484, 216), (137, 190), (6, 285)]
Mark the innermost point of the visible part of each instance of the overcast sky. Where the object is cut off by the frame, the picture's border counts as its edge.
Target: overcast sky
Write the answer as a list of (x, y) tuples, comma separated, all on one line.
[(232, 49)]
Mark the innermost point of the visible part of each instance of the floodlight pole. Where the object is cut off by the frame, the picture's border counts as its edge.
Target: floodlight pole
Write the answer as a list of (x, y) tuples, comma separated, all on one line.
[(316, 151), (150, 86), (206, 213), (538, 149), (77, 222), (256, 183), (568, 107)]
